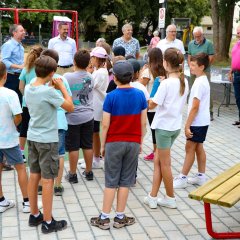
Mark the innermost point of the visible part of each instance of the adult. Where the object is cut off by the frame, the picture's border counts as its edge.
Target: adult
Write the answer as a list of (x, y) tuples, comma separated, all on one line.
[(65, 47), (100, 41), (155, 40), (131, 45), (234, 74), (201, 45), (13, 57), (148, 37), (171, 41)]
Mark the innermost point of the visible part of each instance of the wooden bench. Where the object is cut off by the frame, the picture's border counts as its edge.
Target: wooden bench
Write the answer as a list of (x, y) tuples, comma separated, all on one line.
[(224, 190)]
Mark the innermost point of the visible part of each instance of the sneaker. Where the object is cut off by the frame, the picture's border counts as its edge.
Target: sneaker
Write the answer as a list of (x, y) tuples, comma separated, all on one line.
[(35, 221), (40, 190), (101, 223), (9, 204), (198, 179), (126, 221), (58, 191), (87, 175), (54, 226), (150, 201), (167, 201), (95, 165), (72, 178), (180, 182), (7, 167), (26, 207), (149, 157)]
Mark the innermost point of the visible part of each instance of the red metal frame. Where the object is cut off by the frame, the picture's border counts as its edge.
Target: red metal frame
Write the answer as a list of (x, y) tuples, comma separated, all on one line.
[(210, 231), (74, 17)]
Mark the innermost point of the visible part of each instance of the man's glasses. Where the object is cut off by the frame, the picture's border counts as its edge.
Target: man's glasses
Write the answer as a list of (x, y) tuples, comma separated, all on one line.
[(172, 31)]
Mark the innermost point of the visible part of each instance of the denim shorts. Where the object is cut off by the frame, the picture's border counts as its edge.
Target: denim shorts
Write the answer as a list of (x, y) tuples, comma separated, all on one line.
[(13, 155), (43, 159), (165, 139), (120, 162), (199, 134), (61, 142)]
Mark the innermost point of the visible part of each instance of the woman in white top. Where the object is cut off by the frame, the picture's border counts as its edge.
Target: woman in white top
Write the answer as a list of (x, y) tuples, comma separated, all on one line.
[(169, 99)]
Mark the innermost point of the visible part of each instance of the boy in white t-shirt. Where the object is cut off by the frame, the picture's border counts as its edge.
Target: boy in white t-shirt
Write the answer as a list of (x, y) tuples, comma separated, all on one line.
[(197, 123), (10, 117)]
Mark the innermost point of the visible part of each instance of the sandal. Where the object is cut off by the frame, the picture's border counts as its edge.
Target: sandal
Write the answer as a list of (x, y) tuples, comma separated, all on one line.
[(236, 123)]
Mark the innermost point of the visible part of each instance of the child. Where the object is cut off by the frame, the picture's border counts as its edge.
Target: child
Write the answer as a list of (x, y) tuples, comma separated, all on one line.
[(100, 84), (10, 116), (80, 122), (153, 75), (42, 102), (169, 99), (197, 123), (62, 128), (27, 74), (123, 125)]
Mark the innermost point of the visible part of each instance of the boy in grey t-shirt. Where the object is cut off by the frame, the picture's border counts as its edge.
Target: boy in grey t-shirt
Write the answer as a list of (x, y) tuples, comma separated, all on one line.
[(42, 102), (80, 121)]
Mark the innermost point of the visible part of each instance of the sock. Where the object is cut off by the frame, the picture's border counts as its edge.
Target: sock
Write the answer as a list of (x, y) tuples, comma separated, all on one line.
[(36, 215), (152, 197), (26, 199), (201, 174), (96, 159), (104, 215), (48, 222), (182, 176), (120, 215)]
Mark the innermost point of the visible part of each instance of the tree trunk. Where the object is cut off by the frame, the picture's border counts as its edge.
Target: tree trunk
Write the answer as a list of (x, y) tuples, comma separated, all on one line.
[(222, 17)]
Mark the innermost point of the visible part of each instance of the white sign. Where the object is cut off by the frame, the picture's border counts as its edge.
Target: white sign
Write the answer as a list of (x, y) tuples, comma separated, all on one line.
[(161, 18), (161, 1)]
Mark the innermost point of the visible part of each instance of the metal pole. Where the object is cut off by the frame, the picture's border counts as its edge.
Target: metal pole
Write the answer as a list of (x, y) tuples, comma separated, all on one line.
[(163, 33)]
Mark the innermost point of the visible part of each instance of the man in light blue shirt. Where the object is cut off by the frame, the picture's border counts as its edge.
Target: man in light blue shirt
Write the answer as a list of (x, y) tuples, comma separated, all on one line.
[(12, 53)]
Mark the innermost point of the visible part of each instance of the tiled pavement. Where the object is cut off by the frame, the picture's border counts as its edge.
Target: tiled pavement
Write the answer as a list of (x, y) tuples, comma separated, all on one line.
[(83, 200)]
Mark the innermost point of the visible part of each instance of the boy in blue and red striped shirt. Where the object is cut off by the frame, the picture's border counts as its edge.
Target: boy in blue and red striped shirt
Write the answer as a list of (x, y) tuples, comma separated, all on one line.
[(123, 126)]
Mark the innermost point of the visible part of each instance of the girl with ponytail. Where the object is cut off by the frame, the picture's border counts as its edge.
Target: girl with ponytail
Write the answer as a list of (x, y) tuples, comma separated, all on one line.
[(169, 100), (27, 74)]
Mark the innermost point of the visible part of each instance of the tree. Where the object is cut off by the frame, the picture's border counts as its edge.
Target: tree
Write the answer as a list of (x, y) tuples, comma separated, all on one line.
[(222, 16)]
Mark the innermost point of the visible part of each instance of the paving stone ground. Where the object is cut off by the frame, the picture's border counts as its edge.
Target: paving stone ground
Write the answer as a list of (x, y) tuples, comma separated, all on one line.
[(83, 200)]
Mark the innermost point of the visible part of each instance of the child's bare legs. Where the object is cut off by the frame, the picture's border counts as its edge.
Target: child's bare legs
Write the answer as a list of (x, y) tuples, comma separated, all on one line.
[(108, 198), (58, 180), (122, 196), (190, 149), (22, 179), (201, 158), (88, 157), (166, 171), (73, 161), (33, 192), (47, 198), (96, 144), (157, 176)]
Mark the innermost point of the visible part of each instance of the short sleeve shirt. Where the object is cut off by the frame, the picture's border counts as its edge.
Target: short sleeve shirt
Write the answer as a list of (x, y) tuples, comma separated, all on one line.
[(26, 77), (164, 44), (170, 105), (201, 91), (10, 106), (42, 102), (132, 47), (205, 47)]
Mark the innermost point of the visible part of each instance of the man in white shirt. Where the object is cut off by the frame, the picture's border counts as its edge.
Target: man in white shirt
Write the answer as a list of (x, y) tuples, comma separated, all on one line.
[(171, 40), (66, 48)]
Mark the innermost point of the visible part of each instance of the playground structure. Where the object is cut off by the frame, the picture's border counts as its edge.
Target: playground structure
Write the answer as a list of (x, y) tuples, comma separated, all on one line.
[(74, 24), (184, 30)]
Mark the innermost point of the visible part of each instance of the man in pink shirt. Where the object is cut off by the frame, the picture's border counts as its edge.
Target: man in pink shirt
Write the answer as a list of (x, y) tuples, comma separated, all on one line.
[(234, 74)]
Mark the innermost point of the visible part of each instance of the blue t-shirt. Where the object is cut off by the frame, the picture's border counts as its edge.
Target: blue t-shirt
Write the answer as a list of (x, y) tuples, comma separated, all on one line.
[(26, 77), (42, 102)]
